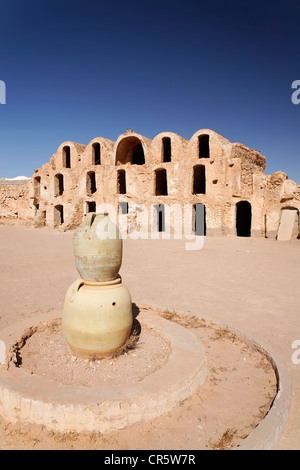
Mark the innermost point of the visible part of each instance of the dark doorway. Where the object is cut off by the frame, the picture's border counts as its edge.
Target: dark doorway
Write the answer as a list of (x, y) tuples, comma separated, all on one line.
[(58, 215), (199, 219), (67, 157), (203, 143), (96, 154), (59, 184), (91, 206), (121, 182), (160, 211), (243, 219), (161, 184), (199, 180), (166, 142), (91, 182)]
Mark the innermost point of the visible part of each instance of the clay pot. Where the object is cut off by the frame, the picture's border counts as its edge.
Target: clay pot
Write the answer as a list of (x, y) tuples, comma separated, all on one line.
[(97, 245), (97, 317)]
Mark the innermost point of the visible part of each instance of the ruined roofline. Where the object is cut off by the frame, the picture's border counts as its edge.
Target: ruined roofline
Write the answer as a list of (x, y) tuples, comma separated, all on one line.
[(80, 155)]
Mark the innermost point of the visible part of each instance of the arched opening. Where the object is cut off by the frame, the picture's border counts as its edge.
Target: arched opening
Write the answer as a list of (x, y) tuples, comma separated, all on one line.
[(90, 206), (37, 186), (161, 184), (121, 182), (203, 146), (199, 219), (91, 187), (166, 148), (160, 217), (289, 224), (58, 184), (243, 219), (199, 180), (58, 215), (96, 154), (130, 150), (67, 157)]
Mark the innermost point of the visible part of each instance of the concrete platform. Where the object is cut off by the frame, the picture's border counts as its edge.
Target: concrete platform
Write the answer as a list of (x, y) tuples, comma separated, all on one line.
[(40, 400)]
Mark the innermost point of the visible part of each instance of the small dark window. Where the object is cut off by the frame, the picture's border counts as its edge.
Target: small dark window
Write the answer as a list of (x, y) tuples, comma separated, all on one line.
[(91, 206), (96, 154), (121, 182), (203, 142), (59, 184), (199, 183), (91, 187), (58, 215), (166, 149), (67, 157), (161, 184)]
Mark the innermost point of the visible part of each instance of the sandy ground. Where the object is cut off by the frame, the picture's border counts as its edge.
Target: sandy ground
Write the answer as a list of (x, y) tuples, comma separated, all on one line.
[(252, 284)]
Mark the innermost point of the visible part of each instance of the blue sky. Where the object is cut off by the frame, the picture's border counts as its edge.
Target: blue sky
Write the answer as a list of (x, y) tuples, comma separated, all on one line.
[(75, 70)]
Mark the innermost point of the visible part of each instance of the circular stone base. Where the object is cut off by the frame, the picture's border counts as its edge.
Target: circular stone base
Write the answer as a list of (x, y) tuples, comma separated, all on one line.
[(37, 392), (46, 353)]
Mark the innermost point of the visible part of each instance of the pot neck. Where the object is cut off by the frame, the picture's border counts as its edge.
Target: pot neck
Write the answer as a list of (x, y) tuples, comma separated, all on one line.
[(114, 282)]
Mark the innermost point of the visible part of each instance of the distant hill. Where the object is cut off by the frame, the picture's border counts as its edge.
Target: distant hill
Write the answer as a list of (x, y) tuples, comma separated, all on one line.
[(16, 180)]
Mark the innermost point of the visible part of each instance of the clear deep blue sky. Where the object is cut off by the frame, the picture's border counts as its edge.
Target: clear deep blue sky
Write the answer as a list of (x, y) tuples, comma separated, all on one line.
[(75, 70)]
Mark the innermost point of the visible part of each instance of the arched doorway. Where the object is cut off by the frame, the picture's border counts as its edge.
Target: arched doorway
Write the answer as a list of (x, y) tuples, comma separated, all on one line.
[(166, 149), (67, 157), (58, 215), (96, 154), (130, 150), (203, 146), (243, 219), (58, 184)]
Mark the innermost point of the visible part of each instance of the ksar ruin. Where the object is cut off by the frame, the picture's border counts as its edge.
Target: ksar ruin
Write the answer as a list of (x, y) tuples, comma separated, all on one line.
[(135, 174)]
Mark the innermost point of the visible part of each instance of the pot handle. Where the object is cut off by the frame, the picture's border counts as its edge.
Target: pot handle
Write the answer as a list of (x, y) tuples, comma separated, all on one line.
[(75, 288)]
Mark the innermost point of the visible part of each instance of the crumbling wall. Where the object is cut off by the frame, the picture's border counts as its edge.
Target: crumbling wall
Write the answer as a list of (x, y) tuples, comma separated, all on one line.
[(14, 201)]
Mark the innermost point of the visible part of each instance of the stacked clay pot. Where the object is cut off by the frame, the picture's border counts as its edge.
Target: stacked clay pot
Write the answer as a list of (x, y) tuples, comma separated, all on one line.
[(97, 316)]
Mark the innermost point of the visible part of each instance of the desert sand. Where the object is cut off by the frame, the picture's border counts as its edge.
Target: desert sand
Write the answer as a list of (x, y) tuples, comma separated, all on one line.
[(252, 284)]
